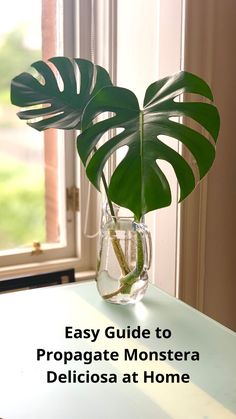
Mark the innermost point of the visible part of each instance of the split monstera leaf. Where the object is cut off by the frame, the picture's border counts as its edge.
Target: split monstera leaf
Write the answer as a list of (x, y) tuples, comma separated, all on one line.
[(137, 183)]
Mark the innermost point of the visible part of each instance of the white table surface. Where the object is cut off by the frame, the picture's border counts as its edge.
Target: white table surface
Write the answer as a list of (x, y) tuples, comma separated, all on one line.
[(37, 319)]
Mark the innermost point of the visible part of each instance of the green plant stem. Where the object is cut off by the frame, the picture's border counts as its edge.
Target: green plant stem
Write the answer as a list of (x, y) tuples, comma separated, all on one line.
[(132, 277), (119, 253), (115, 242), (128, 280), (108, 199)]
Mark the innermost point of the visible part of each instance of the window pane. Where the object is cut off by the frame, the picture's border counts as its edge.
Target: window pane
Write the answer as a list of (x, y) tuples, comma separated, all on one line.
[(28, 168)]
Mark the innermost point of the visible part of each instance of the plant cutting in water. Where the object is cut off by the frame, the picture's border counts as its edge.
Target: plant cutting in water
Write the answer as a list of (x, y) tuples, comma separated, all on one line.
[(137, 183)]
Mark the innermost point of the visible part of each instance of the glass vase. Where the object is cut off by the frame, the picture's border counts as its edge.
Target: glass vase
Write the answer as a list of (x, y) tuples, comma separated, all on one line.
[(124, 259)]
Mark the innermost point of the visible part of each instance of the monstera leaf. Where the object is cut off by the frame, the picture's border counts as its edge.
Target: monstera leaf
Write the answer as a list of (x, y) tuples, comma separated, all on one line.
[(138, 182), (62, 107)]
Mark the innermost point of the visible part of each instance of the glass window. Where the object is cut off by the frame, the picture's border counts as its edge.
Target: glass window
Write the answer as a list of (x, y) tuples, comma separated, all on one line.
[(22, 212), (36, 169), (34, 174)]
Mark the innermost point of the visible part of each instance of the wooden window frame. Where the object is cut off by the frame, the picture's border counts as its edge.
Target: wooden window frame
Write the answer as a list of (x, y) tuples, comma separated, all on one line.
[(81, 254)]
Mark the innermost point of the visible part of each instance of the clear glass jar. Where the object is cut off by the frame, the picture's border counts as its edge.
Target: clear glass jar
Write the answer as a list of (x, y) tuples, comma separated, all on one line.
[(124, 259)]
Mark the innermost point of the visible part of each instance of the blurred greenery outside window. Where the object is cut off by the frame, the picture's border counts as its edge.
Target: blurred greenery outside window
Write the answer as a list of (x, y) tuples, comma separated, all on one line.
[(22, 150)]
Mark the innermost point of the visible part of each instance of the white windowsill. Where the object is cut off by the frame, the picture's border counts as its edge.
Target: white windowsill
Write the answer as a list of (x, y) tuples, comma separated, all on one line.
[(44, 267)]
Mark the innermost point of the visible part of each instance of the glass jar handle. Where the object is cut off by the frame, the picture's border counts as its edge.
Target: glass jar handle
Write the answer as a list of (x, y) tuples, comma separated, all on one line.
[(147, 244), (149, 248)]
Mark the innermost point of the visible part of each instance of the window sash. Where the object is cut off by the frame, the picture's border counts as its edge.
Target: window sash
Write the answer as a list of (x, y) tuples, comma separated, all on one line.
[(76, 251)]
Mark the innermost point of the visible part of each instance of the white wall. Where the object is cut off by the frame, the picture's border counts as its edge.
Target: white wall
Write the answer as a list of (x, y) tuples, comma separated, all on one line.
[(208, 273)]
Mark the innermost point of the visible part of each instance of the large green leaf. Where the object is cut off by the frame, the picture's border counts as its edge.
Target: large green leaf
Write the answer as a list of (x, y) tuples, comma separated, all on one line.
[(138, 182), (63, 106)]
